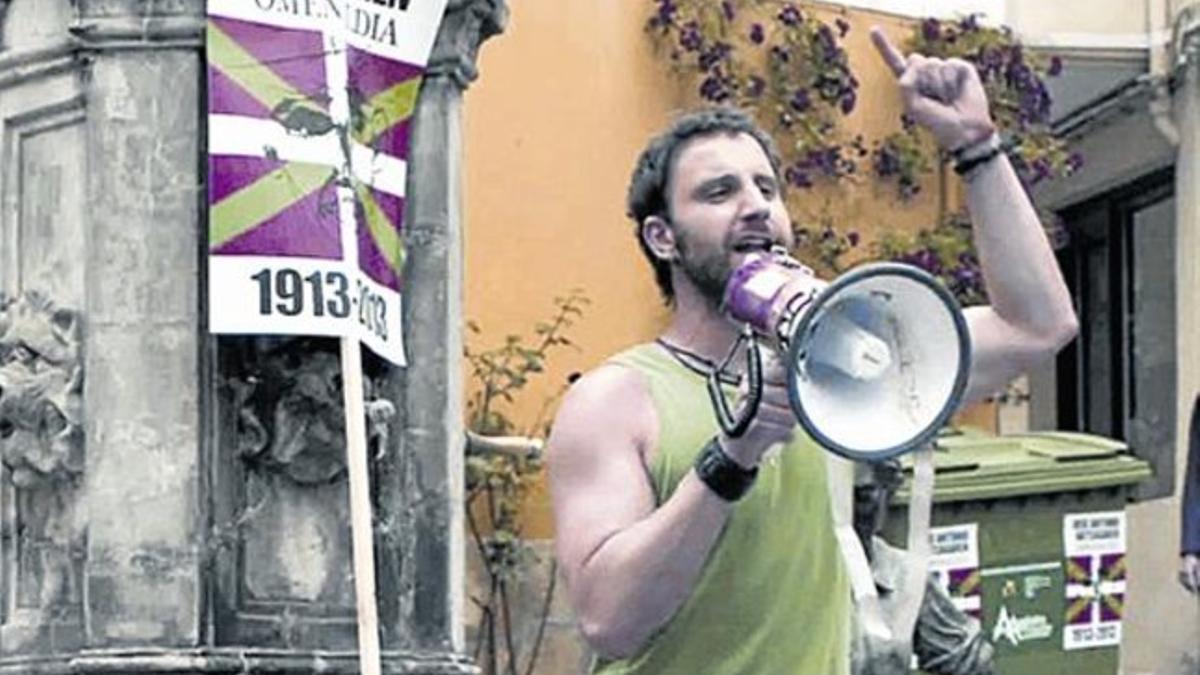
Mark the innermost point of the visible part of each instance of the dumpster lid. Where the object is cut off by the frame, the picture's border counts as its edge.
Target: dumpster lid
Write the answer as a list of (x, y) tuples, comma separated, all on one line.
[(973, 464)]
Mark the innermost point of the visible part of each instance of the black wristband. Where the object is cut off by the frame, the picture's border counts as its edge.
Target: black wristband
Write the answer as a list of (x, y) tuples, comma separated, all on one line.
[(728, 479), (968, 158)]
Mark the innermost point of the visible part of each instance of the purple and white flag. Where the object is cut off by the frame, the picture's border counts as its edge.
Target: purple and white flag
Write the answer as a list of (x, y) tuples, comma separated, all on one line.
[(309, 110)]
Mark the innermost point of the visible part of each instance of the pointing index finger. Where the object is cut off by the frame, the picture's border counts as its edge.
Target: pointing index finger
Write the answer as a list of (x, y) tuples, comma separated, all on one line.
[(891, 56)]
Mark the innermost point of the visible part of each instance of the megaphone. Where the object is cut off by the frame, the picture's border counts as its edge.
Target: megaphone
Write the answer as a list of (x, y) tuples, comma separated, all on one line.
[(876, 360)]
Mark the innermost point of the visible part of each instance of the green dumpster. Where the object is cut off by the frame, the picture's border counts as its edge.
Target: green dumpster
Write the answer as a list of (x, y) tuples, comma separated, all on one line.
[(1029, 536)]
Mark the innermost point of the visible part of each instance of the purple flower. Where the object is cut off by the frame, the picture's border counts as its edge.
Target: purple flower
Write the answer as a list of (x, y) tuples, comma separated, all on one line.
[(797, 177), (927, 259), (781, 54), (756, 34), (1074, 162), (830, 51), (931, 29), (852, 238), (727, 10), (828, 160), (712, 89), (848, 102), (1056, 66), (711, 57), (800, 100), (790, 15), (666, 13), (970, 23), (1018, 74), (825, 37), (689, 37), (842, 27), (965, 279), (886, 163), (1041, 170)]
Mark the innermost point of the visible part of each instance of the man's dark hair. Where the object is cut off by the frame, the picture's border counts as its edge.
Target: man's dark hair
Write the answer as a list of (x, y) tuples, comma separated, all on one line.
[(647, 194)]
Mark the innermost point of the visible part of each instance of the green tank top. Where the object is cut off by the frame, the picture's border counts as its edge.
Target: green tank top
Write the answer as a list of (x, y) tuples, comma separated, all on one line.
[(774, 597)]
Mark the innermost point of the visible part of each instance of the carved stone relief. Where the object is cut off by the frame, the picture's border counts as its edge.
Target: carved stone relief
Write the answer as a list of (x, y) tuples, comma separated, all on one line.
[(42, 450), (288, 436)]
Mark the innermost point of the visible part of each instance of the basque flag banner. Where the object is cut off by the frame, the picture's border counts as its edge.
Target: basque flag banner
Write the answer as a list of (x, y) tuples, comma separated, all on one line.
[(309, 110), (1094, 545)]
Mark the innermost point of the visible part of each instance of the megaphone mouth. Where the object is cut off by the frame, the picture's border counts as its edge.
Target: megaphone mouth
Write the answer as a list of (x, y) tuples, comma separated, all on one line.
[(915, 383)]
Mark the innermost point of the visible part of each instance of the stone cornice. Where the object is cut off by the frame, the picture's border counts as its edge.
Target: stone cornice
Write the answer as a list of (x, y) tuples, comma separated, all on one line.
[(465, 26), (100, 33), (30, 64)]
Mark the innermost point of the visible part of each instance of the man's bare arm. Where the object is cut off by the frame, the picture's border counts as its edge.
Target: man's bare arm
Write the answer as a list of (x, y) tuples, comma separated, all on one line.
[(1030, 317), (628, 567)]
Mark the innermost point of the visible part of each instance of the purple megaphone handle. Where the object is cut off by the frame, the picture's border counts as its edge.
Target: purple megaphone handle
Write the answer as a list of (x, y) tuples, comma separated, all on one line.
[(741, 302)]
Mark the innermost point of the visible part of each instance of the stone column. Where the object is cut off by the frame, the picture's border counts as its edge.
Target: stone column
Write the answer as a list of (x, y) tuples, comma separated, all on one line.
[(162, 510), (433, 437), (145, 501)]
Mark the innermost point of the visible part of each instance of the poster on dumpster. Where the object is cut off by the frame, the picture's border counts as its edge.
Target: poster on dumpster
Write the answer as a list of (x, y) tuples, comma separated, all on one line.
[(1094, 546), (309, 104), (954, 564)]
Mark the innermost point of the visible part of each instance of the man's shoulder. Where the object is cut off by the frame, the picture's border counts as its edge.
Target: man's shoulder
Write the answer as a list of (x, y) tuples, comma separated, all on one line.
[(613, 397), (615, 380)]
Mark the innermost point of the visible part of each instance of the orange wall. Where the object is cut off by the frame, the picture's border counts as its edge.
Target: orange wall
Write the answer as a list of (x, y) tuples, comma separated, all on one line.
[(566, 99)]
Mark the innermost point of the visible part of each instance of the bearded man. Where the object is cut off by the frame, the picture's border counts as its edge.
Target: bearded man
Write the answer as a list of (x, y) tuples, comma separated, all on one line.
[(682, 549)]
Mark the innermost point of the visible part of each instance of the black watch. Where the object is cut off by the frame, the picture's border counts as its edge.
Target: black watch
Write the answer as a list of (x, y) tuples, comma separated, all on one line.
[(721, 474)]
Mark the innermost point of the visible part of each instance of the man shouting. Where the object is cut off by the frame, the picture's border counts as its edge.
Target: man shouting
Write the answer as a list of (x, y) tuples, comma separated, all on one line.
[(684, 550)]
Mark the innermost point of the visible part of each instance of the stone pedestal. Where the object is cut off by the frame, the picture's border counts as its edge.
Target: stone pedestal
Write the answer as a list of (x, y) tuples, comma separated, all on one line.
[(172, 502)]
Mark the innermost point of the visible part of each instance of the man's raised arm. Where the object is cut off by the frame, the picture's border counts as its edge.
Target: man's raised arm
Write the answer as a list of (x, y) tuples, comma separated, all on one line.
[(1030, 316)]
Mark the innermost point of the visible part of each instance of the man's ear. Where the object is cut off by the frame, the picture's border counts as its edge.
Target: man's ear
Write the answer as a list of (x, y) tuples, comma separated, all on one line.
[(660, 238)]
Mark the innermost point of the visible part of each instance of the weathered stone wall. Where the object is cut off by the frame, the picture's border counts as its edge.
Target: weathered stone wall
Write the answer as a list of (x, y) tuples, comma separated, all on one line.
[(170, 501)]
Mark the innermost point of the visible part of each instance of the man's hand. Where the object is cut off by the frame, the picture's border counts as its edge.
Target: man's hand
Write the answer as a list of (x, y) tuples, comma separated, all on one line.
[(1189, 572), (774, 422), (942, 95)]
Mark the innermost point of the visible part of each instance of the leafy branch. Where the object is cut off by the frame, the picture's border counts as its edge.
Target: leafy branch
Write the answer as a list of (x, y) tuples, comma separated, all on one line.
[(497, 482)]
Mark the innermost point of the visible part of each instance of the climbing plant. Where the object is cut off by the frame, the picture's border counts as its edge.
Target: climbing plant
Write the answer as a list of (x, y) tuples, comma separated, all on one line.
[(783, 63)]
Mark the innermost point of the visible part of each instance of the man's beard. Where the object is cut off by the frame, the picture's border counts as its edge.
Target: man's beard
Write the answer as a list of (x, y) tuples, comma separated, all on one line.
[(708, 270)]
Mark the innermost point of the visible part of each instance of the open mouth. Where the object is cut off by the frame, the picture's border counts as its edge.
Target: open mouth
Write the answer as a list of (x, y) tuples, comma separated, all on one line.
[(753, 244)]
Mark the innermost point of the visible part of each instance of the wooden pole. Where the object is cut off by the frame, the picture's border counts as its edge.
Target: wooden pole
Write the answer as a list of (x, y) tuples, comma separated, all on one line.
[(360, 507)]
